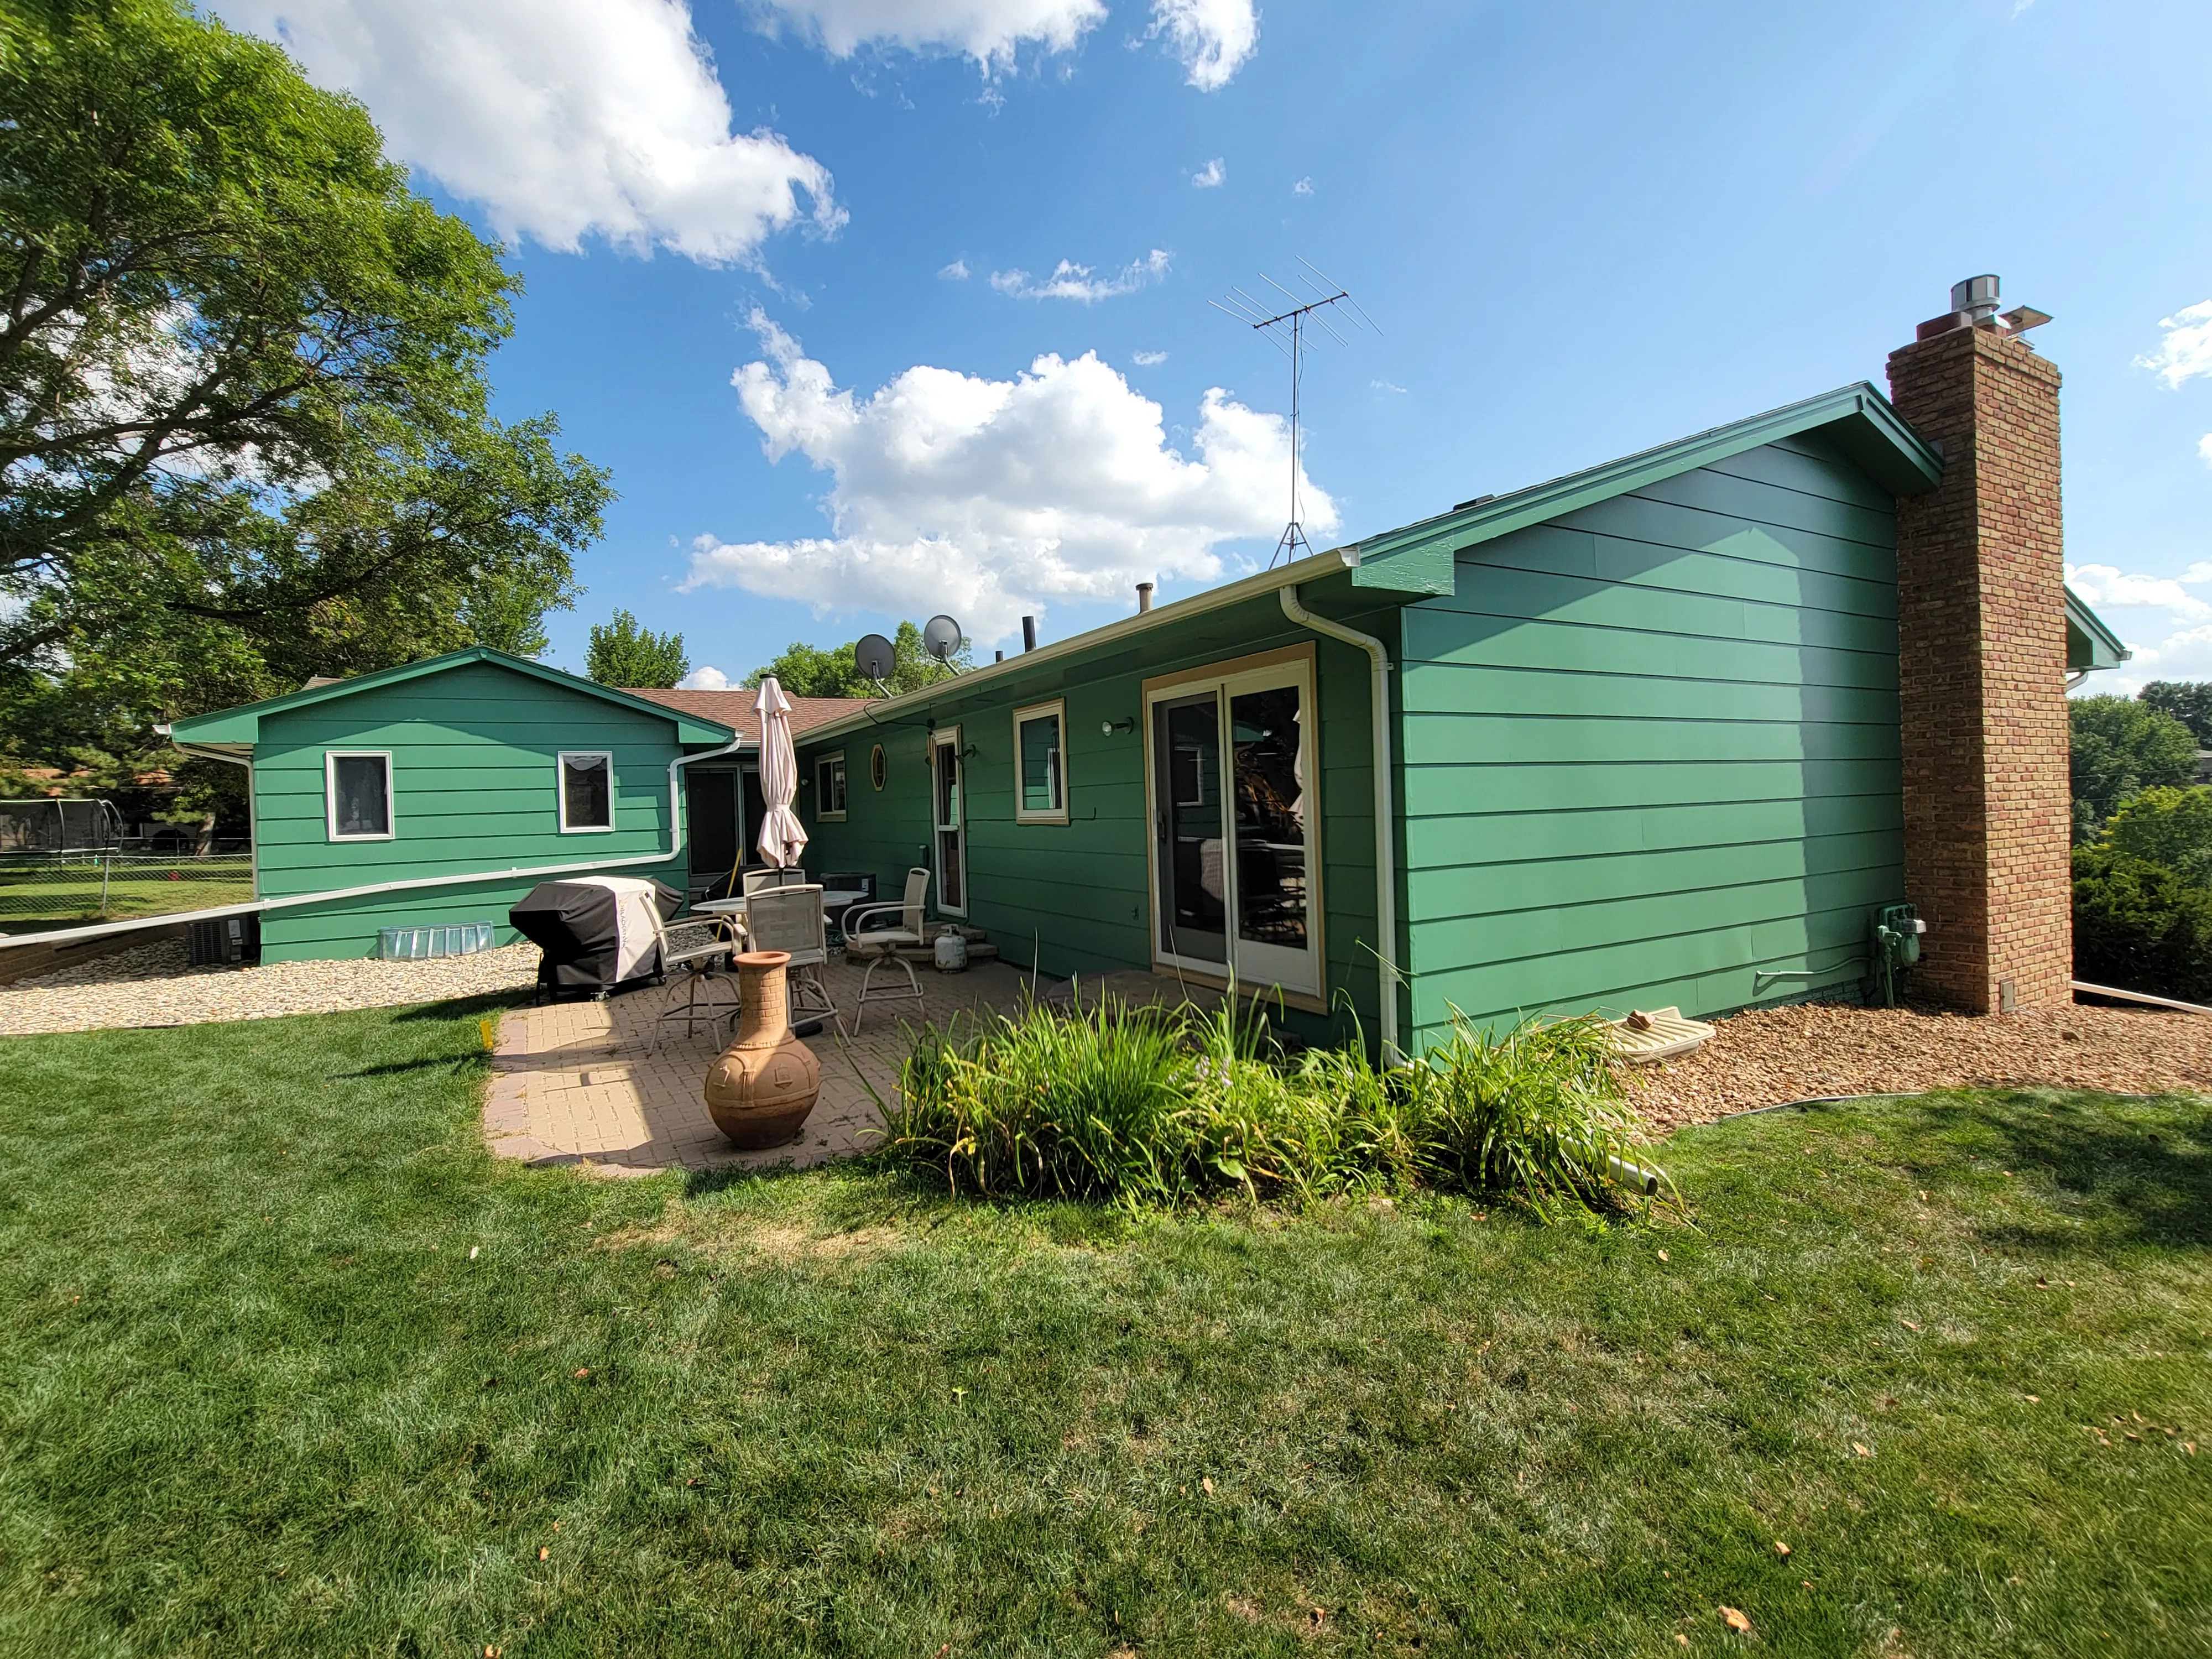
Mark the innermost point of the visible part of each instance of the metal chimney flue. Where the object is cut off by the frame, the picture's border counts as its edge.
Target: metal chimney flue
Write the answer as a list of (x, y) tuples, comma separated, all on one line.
[(1976, 297), (1144, 597), (1029, 633)]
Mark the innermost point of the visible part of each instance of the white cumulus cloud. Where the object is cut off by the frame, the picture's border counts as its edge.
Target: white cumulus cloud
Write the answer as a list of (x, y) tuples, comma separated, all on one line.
[(1070, 281), (955, 272), (1213, 38), (708, 679), (1148, 359), (2100, 585), (992, 31), (2186, 351), (1303, 187), (1210, 176), (2204, 448), (563, 118), (994, 499)]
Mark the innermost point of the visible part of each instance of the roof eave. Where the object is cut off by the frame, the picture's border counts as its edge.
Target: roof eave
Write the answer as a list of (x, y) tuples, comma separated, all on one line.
[(1334, 562), (2104, 648), (243, 723), (1419, 557)]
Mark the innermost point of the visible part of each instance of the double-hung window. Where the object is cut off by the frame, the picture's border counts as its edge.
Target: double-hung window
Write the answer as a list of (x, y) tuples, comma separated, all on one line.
[(358, 794), (587, 791), (830, 787), (1040, 763)]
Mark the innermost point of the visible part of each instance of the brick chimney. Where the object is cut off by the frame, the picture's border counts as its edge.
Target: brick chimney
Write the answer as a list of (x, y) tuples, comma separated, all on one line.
[(1982, 650)]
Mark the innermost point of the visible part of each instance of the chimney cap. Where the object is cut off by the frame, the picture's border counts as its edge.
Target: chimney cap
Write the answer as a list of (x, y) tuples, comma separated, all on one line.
[(1978, 295)]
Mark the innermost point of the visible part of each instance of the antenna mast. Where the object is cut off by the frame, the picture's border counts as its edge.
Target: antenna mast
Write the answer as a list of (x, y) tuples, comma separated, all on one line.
[(1307, 312)]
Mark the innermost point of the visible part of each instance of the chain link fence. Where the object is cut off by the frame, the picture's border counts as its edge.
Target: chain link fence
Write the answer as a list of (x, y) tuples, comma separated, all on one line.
[(74, 887)]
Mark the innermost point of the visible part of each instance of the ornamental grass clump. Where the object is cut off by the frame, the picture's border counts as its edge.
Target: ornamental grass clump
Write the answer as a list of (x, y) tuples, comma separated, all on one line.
[(1159, 1107), (1536, 1111)]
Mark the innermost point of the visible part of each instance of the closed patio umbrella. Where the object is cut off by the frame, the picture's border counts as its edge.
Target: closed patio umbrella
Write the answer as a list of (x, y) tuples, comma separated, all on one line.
[(781, 838)]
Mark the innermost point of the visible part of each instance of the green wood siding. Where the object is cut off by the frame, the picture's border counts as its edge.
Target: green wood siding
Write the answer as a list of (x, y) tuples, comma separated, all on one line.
[(1651, 746), (1072, 898), (474, 788)]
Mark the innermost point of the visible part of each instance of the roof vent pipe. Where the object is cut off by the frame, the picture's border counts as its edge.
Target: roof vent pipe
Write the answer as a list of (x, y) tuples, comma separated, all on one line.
[(1144, 597), (1029, 633)]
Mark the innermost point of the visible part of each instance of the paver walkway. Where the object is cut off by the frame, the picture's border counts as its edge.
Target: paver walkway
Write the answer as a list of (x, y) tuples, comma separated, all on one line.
[(579, 1083)]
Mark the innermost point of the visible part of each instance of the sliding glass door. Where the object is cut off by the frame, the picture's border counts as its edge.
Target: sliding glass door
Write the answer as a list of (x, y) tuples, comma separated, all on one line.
[(1233, 815)]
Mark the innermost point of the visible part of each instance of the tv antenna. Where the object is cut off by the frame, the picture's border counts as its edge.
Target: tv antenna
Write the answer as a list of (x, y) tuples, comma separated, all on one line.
[(1291, 333)]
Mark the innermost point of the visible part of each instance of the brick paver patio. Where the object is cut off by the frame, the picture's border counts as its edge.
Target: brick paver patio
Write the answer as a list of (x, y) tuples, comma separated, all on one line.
[(579, 1083)]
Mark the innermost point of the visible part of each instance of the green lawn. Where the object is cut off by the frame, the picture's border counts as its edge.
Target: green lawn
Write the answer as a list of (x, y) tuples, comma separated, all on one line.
[(289, 1365)]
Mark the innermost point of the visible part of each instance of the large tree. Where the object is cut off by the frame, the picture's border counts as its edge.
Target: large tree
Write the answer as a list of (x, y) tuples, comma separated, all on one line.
[(2122, 747), (2189, 701), (244, 433), (620, 654)]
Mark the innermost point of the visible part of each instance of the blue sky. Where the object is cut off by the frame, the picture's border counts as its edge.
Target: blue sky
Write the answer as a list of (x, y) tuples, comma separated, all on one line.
[(967, 246)]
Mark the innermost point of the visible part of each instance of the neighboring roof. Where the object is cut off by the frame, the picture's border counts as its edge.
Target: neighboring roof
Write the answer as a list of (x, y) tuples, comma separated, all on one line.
[(1858, 419), (734, 709), (2089, 644), (241, 728)]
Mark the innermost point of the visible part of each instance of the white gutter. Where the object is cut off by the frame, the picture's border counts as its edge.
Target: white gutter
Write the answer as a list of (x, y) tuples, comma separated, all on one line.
[(675, 821), (1386, 848)]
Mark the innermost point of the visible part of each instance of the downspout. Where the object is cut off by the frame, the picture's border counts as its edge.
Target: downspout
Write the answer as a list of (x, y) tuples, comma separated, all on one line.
[(258, 905), (1386, 848)]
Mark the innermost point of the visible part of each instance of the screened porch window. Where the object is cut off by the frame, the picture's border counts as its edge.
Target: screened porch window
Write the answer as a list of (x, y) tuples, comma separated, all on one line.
[(587, 793), (357, 788)]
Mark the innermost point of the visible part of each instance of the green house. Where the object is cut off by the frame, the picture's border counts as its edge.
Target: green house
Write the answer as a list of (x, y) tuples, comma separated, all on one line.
[(440, 792), (1629, 738)]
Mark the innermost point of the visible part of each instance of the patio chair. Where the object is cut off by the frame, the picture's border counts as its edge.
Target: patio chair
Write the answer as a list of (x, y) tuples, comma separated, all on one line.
[(790, 919), (693, 957), (875, 932), (756, 880)]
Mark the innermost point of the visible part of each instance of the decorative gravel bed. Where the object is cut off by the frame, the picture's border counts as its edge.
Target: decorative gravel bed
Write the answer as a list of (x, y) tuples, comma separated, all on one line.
[(1807, 1050), (153, 985)]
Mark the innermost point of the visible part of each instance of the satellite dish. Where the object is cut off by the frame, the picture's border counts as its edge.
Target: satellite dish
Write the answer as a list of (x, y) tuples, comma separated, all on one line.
[(941, 637), (873, 657)]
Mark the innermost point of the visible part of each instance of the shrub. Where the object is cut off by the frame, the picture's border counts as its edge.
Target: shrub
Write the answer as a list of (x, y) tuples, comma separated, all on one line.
[(1159, 1107), (2140, 926)]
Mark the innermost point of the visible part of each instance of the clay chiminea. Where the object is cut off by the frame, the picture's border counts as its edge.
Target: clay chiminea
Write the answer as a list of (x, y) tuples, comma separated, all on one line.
[(761, 1088)]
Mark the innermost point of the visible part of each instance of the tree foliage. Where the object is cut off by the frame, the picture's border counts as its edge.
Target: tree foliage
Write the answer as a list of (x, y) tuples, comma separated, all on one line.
[(807, 670), (245, 434), (2120, 748), (622, 654), (2189, 701)]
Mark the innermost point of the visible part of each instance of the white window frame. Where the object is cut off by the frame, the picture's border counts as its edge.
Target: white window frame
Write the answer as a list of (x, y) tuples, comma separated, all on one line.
[(561, 790), (330, 758), (1300, 974), (1056, 711), (940, 739), (822, 814)]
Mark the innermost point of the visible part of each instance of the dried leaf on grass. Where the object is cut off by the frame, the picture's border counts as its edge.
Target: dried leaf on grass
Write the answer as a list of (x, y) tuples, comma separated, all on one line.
[(1735, 1620)]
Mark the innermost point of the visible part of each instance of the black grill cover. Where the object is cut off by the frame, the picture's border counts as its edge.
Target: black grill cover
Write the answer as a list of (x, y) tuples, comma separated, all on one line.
[(573, 923)]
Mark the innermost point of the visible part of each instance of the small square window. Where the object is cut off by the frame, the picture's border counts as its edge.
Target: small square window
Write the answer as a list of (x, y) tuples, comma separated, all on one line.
[(830, 786), (1041, 764), (359, 789), (587, 791)]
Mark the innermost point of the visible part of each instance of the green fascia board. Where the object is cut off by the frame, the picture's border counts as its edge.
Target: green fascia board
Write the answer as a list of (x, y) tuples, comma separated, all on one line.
[(242, 724), (2089, 644), (1858, 419)]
